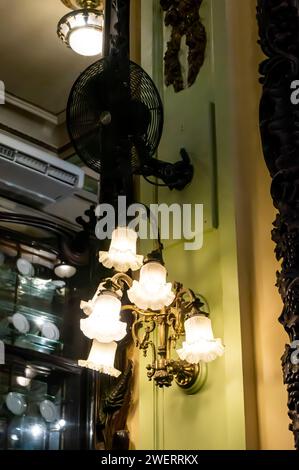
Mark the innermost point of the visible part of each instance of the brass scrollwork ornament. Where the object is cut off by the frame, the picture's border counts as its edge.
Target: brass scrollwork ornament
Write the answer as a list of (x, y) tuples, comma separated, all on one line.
[(183, 17)]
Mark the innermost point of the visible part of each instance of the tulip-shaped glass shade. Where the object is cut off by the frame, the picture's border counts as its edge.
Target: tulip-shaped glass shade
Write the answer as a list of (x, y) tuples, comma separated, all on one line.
[(200, 344), (152, 291), (103, 324), (82, 31), (122, 252), (101, 358)]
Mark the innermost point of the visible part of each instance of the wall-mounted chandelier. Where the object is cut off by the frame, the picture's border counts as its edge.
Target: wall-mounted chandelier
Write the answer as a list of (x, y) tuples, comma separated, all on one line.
[(82, 29), (163, 314)]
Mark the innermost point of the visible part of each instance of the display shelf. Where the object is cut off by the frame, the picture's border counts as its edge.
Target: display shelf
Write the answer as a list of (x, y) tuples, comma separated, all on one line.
[(38, 302), (30, 417), (44, 371), (33, 339)]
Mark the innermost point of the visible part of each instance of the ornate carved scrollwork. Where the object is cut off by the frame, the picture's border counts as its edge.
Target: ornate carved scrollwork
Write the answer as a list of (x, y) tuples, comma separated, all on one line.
[(183, 17), (279, 124)]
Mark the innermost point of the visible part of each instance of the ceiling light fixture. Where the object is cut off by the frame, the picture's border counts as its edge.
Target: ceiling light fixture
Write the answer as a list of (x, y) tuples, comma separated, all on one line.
[(82, 29)]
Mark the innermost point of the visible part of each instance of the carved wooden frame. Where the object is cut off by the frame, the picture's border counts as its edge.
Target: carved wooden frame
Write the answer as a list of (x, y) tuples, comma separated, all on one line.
[(278, 22)]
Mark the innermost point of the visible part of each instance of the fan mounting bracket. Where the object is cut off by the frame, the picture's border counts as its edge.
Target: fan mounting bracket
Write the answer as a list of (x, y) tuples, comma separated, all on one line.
[(174, 175)]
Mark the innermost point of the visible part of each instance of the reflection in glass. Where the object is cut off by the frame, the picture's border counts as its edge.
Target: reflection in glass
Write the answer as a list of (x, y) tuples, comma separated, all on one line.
[(27, 433)]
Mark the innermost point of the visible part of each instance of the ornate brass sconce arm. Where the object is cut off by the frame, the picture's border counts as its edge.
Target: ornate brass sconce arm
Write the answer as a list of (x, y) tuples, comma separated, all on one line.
[(160, 331)]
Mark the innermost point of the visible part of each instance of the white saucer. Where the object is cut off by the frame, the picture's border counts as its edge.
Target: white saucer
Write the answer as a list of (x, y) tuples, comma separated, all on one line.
[(20, 323), (25, 268), (16, 403), (48, 411), (50, 331)]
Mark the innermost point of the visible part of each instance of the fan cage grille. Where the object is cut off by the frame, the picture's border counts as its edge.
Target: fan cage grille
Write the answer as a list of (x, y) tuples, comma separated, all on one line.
[(92, 94)]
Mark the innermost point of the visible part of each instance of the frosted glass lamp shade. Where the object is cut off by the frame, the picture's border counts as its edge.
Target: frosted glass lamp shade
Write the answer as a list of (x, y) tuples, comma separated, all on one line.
[(152, 291), (107, 305), (64, 271), (82, 31), (103, 324), (197, 328), (87, 41), (122, 252), (200, 344), (101, 358)]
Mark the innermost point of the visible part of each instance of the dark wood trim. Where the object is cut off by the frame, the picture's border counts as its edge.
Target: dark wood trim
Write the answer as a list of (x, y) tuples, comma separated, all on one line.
[(278, 22)]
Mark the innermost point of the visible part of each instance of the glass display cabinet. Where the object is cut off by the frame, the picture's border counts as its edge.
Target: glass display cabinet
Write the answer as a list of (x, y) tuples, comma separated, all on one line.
[(47, 401)]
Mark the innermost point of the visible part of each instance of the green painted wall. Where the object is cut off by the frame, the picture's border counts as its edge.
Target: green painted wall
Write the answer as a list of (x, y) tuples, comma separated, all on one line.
[(213, 418)]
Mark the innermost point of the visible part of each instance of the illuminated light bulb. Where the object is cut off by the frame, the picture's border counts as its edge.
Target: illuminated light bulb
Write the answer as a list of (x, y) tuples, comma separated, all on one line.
[(36, 430), (152, 291), (101, 358), (82, 31), (200, 344), (103, 324), (87, 41), (122, 252), (39, 321), (61, 423)]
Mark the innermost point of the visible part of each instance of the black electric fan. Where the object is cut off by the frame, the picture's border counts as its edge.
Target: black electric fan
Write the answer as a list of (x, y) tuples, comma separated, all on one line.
[(115, 121)]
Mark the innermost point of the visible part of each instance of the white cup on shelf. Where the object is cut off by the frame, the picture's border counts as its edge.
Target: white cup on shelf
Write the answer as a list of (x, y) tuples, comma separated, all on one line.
[(25, 267), (50, 331), (20, 323), (47, 329)]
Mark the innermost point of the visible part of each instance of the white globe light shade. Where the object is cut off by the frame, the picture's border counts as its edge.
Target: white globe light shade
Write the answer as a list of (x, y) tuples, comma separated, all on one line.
[(152, 291), (200, 344), (86, 41), (103, 324), (122, 252), (65, 271), (101, 358)]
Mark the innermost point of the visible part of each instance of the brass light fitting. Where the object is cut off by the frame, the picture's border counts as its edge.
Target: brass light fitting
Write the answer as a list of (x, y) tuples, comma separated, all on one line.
[(157, 331)]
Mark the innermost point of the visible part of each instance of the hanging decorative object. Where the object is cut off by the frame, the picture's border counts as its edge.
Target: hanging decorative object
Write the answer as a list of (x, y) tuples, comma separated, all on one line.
[(183, 18), (279, 123)]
